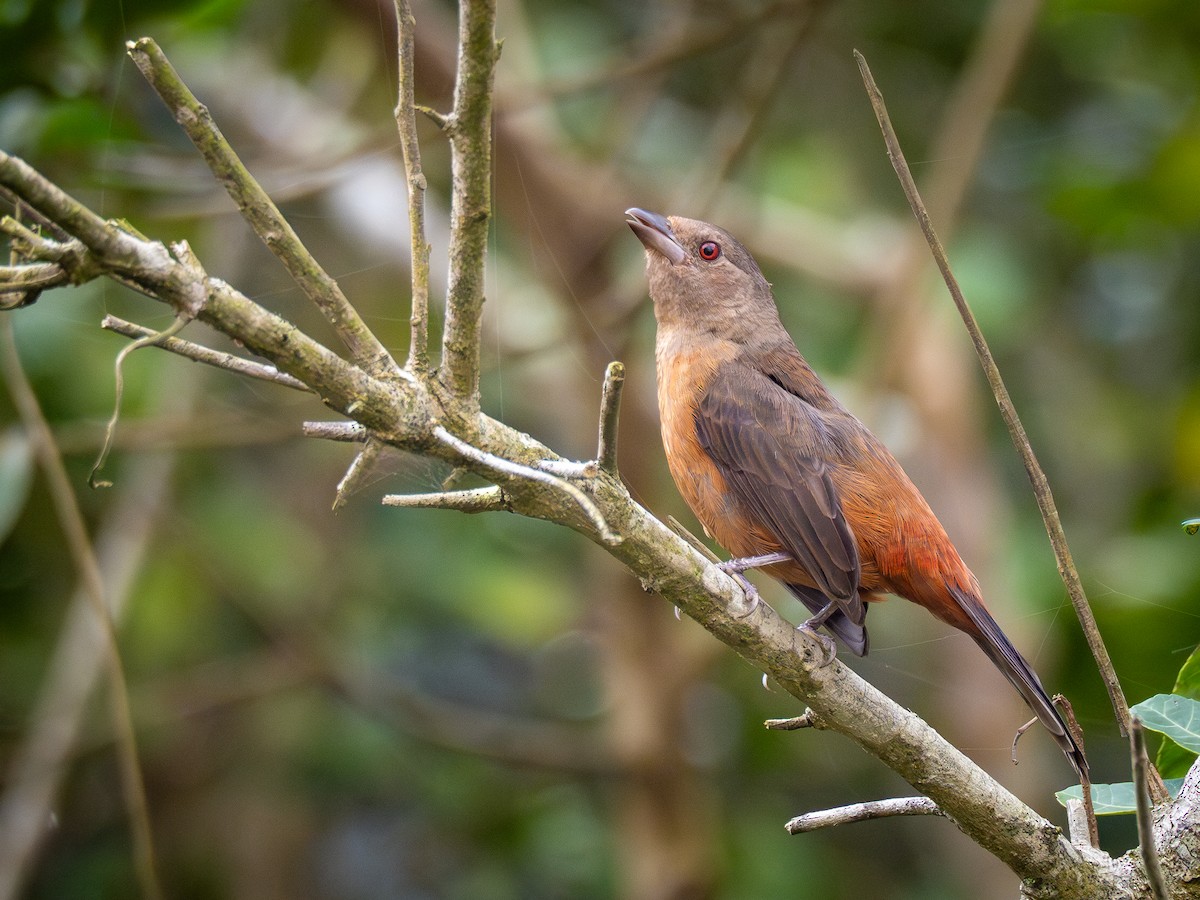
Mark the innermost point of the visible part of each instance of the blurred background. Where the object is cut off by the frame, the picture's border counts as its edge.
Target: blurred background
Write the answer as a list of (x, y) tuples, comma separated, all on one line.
[(380, 703)]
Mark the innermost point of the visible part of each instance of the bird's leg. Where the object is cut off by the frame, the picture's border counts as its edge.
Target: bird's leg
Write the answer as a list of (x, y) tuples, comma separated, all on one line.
[(736, 567), (812, 623), (740, 564)]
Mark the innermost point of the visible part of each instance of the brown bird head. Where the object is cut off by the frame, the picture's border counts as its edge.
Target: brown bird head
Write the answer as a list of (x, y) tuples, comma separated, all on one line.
[(700, 276)]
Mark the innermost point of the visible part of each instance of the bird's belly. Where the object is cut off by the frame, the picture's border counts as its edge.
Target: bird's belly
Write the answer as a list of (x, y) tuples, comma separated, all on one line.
[(682, 374)]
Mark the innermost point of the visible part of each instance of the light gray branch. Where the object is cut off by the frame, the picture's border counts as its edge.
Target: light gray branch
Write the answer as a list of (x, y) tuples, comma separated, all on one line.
[(508, 469), (862, 812), (198, 353), (475, 500)]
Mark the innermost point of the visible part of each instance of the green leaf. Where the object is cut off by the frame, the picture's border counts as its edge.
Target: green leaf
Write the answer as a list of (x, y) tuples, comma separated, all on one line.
[(1172, 760), (1176, 717), (1112, 799)]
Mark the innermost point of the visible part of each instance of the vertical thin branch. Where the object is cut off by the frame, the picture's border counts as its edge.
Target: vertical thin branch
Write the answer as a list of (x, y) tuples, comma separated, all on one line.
[(84, 559), (470, 130), (406, 123), (610, 412), (1141, 784), (1041, 487)]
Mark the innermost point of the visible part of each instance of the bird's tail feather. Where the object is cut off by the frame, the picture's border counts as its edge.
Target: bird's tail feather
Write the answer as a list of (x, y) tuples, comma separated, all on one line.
[(999, 648)]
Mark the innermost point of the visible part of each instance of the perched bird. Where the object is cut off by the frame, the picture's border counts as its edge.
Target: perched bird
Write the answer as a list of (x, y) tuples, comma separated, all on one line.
[(781, 474)]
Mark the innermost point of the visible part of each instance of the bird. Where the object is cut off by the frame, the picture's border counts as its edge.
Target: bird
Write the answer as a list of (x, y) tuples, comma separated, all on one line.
[(782, 475)]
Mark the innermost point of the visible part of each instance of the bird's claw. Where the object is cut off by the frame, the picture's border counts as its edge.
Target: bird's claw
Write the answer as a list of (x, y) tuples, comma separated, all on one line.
[(748, 589), (828, 646)]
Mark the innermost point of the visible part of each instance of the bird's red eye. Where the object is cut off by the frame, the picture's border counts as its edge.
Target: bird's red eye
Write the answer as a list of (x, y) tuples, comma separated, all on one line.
[(710, 250)]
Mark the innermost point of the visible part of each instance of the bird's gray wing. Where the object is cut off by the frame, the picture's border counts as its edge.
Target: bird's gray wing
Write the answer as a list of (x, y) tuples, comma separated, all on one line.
[(775, 452)]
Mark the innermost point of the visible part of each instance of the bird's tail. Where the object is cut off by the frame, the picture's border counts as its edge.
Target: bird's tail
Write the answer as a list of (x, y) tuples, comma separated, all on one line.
[(999, 648)]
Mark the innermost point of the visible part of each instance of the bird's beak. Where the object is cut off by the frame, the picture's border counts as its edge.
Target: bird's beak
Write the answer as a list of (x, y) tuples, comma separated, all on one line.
[(654, 231)]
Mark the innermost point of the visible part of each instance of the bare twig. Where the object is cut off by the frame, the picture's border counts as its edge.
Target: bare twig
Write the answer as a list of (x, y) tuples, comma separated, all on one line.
[(1146, 845), (470, 129), (348, 432), (258, 209), (862, 812), (84, 559), (119, 390), (406, 123), (1041, 487), (509, 469), (805, 720), (610, 413), (1085, 780), (474, 500), (198, 353)]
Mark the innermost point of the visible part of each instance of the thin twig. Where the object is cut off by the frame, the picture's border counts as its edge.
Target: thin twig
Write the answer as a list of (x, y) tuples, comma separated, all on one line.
[(406, 123), (474, 500), (470, 129), (610, 413), (84, 559), (348, 432), (805, 720), (862, 812), (198, 353), (1041, 487), (174, 328), (1145, 823), (510, 469), (1085, 779), (258, 209)]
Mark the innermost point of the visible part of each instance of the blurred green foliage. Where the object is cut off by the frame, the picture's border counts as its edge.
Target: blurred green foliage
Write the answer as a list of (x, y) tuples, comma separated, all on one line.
[(275, 649)]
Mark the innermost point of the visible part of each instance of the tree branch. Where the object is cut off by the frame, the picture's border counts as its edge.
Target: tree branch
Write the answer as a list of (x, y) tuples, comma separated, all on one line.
[(470, 129), (197, 353), (1041, 487), (406, 123), (863, 812), (610, 414), (410, 414), (258, 209), (1145, 825)]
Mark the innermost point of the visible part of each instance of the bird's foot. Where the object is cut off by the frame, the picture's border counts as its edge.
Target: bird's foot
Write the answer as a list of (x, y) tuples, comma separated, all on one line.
[(828, 645), (738, 565), (751, 592)]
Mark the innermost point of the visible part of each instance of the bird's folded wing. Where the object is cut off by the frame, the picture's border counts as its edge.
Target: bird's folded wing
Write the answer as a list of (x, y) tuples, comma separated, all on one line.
[(772, 448)]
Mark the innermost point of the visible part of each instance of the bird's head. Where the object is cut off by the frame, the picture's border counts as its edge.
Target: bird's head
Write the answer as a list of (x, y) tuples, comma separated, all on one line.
[(700, 276)]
